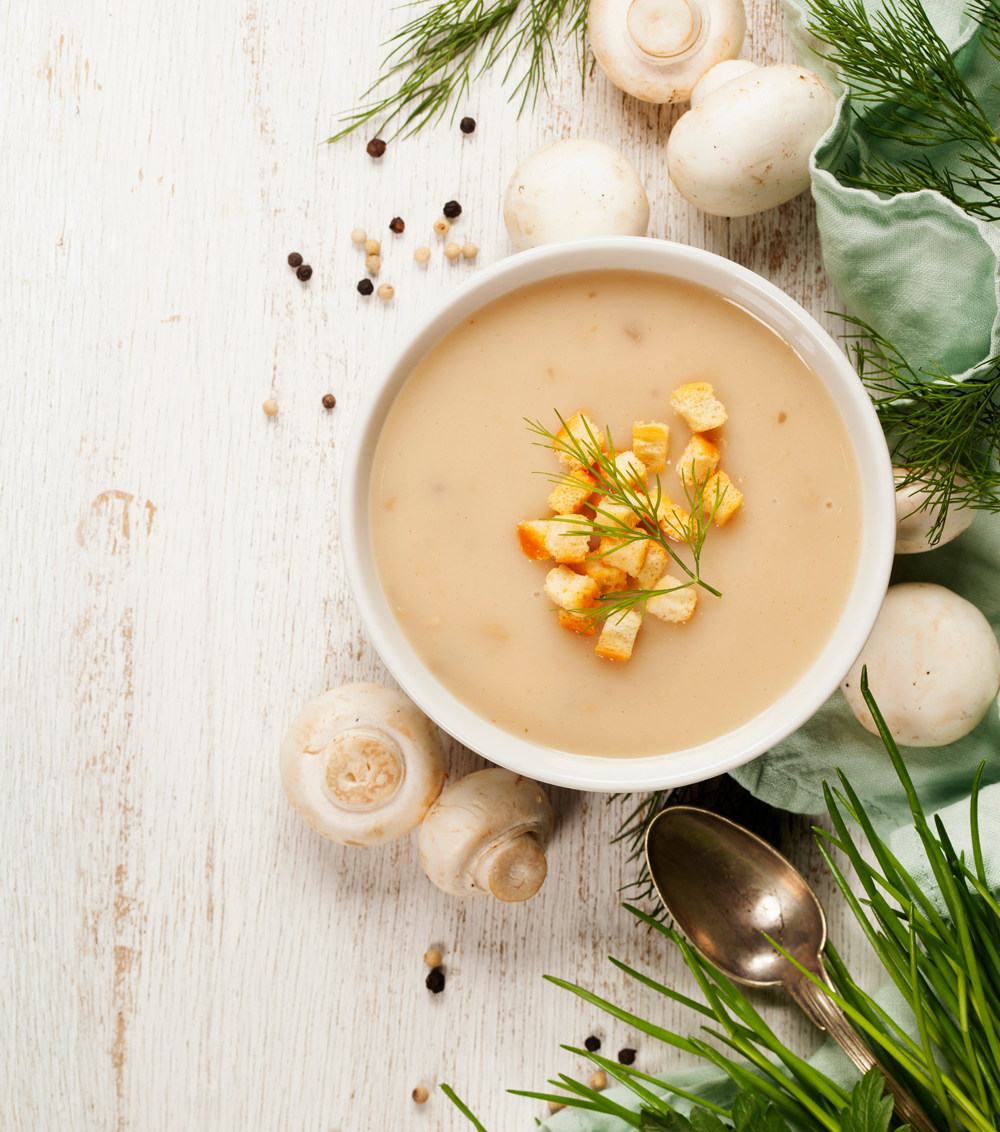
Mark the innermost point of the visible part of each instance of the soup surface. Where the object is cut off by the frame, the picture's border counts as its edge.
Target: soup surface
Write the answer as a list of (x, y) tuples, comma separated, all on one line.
[(454, 475)]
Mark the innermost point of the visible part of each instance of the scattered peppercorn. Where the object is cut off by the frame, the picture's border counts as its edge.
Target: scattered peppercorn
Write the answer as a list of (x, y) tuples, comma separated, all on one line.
[(420, 1094), (385, 292), (328, 402), (626, 1056), (373, 263), (396, 224), (442, 227), (592, 1044), (599, 1080), (294, 259), (422, 255), (365, 287), (372, 247), (304, 272), (432, 958), (435, 981), (452, 251), (555, 1106), (469, 250), (467, 125), (358, 236), (376, 147), (452, 209), (271, 408)]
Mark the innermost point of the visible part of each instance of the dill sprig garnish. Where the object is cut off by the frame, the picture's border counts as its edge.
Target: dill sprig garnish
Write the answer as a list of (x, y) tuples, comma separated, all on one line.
[(435, 57), (621, 490), (906, 88), (944, 431)]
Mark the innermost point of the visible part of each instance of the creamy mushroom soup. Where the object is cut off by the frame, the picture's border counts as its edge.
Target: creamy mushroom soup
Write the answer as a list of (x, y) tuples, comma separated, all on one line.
[(454, 474)]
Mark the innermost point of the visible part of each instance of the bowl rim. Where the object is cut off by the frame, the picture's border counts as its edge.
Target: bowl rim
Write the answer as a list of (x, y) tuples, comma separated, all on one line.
[(785, 317)]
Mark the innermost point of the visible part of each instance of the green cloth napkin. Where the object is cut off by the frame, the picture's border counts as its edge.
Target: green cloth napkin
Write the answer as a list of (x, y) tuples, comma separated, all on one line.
[(915, 267)]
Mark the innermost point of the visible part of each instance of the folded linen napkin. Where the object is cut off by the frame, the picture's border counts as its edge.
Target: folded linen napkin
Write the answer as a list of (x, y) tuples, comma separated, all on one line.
[(915, 267)]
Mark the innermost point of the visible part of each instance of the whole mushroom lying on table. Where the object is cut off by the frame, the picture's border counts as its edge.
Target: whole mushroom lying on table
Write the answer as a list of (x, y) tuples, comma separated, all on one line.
[(364, 766)]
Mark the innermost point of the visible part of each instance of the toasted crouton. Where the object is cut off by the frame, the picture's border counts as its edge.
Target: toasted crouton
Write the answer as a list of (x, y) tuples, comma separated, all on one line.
[(732, 499), (609, 579), (618, 636), (649, 443), (631, 469), (570, 590), (674, 521), (653, 566), (568, 538), (610, 513), (581, 428), (572, 492), (697, 404), (533, 534), (576, 623), (677, 606), (629, 555), (698, 461)]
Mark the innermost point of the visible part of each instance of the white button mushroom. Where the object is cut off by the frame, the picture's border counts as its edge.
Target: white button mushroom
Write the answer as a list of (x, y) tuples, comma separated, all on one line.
[(571, 189), (362, 764), (719, 74), (656, 50), (933, 666), (745, 147), (487, 835), (913, 526)]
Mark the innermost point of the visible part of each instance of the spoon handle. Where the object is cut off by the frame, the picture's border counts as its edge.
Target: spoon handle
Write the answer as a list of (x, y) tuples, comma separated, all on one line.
[(828, 1016)]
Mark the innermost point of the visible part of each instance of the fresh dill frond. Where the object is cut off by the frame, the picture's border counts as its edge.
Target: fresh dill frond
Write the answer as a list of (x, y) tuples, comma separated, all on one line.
[(944, 431), (435, 57), (620, 490), (906, 88)]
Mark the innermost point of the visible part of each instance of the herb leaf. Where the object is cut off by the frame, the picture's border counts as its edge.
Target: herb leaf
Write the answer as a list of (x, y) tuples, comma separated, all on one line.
[(869, 1110), (945, 431), (906, 88), (434, 57)]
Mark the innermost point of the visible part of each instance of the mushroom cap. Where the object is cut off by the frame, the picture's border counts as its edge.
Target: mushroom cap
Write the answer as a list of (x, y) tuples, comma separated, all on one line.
[(933, 666), (362, 764), (487, 835), (745, 148), (656, 50), (913, 527), (721, 73), (571, 189)]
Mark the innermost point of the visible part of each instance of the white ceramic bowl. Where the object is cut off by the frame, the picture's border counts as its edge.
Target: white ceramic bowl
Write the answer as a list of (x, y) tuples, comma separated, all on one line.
[(816, 684)]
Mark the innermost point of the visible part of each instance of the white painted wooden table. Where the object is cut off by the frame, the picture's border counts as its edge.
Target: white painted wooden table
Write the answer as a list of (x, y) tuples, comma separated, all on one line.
[(177, 950)]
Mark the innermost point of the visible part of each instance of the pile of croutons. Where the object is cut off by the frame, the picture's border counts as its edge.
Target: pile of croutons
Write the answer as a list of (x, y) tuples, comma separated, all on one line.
[(582, 574)]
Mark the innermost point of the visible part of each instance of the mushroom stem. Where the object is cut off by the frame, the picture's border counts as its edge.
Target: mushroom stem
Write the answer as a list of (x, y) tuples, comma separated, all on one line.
[(512, 870), (362, 768)]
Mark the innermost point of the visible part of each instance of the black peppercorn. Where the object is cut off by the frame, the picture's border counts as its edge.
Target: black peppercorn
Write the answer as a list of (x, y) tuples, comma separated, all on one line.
[(467, 125), (329, 401), (396, 225), (435, 981), (376, 147), (592, 1044), (304, 272), (452, 209), (366, 287), (294, 259), (626, 1056)]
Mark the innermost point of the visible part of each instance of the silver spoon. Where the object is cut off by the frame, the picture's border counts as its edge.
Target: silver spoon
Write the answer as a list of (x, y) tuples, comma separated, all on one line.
[(725, 888)]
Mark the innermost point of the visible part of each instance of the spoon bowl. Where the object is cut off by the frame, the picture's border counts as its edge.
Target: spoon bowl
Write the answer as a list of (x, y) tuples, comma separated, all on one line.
[(728, 890)]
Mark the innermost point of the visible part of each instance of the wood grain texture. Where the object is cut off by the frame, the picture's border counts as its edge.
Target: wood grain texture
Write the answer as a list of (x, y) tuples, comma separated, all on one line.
[(178, 950)]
